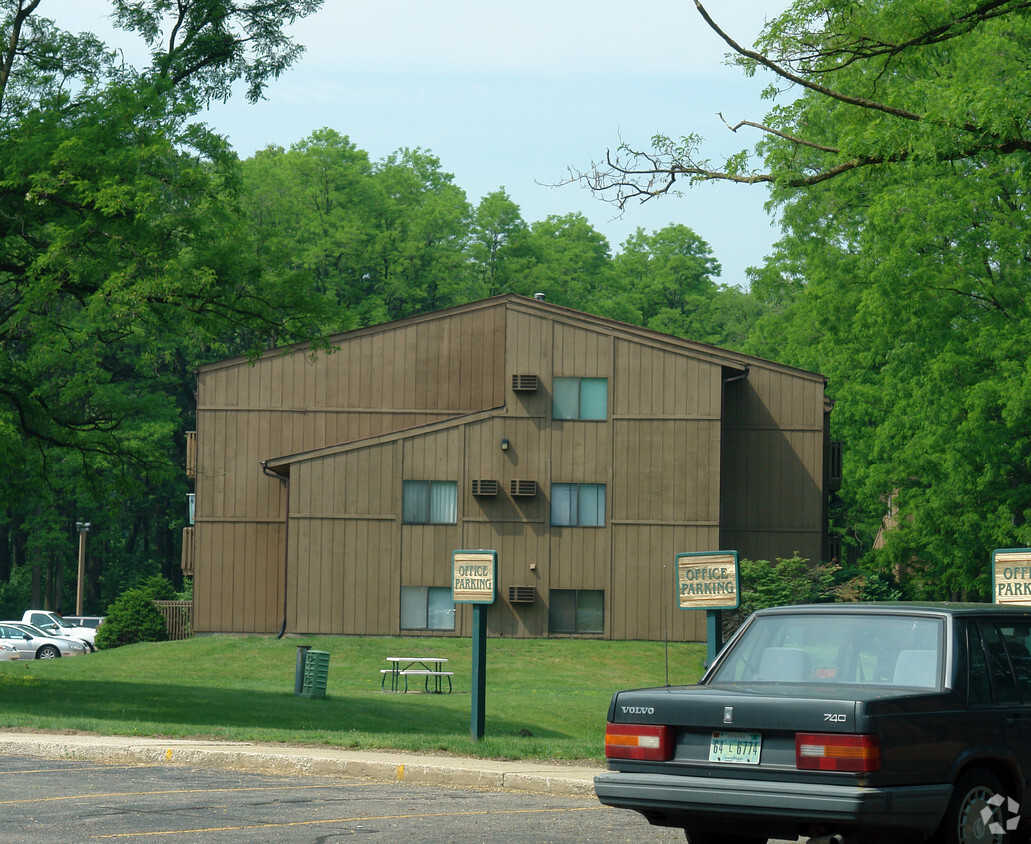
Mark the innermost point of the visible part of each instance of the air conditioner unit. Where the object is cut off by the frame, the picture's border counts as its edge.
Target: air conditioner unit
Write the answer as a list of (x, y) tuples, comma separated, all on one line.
[(525, 489), (525, 383), (485, 487), (521, 594)]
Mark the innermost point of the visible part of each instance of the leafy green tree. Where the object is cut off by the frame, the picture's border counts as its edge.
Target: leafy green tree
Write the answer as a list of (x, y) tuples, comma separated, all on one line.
[(120, 255), (901, 170), (308, 209), (367, 241), (571, 263), (879, 84), (421, 225), (499, 245), (902, 272)]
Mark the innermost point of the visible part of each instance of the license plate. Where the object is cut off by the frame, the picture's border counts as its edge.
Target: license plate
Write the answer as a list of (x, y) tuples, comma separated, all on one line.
[(742, 748)]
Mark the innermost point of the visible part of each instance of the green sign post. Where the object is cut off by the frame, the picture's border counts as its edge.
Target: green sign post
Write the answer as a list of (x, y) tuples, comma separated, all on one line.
[(475, 582), (710, 581)]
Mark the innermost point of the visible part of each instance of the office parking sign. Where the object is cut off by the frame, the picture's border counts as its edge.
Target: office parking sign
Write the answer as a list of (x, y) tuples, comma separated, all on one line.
[(474, 576), (707, 580)]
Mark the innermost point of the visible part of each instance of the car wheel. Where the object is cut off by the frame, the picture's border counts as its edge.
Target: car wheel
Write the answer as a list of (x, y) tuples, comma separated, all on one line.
[(48, 652), (695, 836), (970, 815)]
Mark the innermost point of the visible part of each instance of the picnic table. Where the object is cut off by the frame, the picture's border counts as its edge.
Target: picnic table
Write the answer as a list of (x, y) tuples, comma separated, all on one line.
[(427, 667)]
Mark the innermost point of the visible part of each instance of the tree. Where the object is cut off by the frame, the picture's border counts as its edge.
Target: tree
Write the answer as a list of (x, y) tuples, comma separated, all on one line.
[(369, 241), (901, 171), (309, 210), (910, 292), (668, 275), (882, 84), (498, 245), (120, 252), (571, 263)]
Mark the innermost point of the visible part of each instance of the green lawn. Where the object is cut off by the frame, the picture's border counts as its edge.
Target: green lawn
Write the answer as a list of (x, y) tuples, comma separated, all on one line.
[(546, 698)]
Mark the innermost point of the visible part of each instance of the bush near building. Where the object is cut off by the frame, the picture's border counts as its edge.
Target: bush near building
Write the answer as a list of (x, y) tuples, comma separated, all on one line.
[(132, 618)]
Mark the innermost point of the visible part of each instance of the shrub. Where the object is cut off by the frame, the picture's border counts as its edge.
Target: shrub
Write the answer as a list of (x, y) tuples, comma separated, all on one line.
[(785, 581), (794, 580), (132, 618), (158, 588)]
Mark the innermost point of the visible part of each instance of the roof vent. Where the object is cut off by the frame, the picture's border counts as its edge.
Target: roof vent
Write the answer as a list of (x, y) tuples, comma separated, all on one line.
[(539, 297)]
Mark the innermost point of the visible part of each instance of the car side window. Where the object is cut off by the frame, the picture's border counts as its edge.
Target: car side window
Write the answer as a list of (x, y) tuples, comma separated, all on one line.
[(999, 670), (1015, 637), (979, 686)]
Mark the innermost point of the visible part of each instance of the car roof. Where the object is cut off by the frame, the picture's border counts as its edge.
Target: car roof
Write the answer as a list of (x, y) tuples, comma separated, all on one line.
[(903, 608)]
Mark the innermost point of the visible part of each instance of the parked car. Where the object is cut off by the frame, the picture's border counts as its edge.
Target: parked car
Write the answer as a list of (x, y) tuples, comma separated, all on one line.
[(93, 621), (53, 623), (872, 722), (8, 653), (33, 643)]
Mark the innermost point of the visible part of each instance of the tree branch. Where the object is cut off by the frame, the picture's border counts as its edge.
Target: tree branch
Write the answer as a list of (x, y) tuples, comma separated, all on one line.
[(23, 14), (784, 73)]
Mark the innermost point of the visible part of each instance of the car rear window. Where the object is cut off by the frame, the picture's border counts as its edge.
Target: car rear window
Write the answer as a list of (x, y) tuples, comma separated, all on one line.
[(887, 650)]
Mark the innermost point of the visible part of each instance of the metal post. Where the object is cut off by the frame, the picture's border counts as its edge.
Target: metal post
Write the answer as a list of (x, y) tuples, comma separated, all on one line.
[(302, 659), (479, 686), (714, 635), (83, 529)]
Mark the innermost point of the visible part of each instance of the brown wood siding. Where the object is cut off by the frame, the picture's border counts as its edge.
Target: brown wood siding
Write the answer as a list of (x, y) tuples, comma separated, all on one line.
[(380, 380), (682, 473), (342, 543), (239, 590), (529, 352), (772, 500), (641, 602), (425, 552)]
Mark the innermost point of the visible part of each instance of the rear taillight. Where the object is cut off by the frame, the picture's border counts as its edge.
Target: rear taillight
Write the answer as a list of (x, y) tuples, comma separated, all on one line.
[(648, 742), (834, 752)]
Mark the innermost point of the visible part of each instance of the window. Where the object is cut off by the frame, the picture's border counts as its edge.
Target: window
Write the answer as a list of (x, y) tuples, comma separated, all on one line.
[(979, 686), (430, 503), (897, 652), (576, 611), (578, 505), (1003, 683), (580, 398), (427, 608)]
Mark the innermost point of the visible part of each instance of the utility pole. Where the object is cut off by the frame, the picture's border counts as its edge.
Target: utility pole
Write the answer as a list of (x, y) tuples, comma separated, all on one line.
[(83, 529)]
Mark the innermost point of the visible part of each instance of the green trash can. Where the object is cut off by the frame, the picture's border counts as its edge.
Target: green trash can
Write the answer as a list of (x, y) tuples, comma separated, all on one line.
[(316, 673)]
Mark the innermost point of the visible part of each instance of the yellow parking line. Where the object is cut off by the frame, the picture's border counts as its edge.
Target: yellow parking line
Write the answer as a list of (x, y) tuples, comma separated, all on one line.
[(357, 819), (94, 796)]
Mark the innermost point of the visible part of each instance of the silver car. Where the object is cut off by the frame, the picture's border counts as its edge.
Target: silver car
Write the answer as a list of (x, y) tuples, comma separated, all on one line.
[(8, 653), (33, 643)]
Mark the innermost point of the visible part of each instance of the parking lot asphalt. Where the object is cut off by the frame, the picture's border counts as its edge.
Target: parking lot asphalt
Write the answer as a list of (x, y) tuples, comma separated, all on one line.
[(380, 765)]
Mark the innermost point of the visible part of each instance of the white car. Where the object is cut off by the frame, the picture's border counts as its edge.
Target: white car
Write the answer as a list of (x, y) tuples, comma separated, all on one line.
[(55, 625), (33, 643), (8, 653), (93, 621)]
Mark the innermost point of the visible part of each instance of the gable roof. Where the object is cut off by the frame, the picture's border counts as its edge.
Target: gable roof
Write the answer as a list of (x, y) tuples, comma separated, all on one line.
[(737, 361)]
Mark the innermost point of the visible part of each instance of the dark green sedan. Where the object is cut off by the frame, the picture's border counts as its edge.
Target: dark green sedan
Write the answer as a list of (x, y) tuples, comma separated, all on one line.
[(839, 723)]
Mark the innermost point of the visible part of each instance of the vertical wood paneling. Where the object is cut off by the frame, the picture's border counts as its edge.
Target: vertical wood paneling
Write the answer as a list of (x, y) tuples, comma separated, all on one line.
[(666, 460)]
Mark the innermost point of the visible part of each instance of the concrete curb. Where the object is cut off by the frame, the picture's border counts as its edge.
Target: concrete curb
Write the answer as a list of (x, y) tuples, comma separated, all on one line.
[(382, 766)]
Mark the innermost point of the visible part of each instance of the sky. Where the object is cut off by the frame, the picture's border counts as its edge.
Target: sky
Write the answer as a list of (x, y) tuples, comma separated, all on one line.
[(516, 95)]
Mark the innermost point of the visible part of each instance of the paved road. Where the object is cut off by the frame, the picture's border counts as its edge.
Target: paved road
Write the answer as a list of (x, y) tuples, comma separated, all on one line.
[(77, 801)]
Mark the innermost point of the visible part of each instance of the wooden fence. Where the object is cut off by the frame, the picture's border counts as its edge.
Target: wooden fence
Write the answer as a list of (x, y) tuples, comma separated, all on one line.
[(179, 618)]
